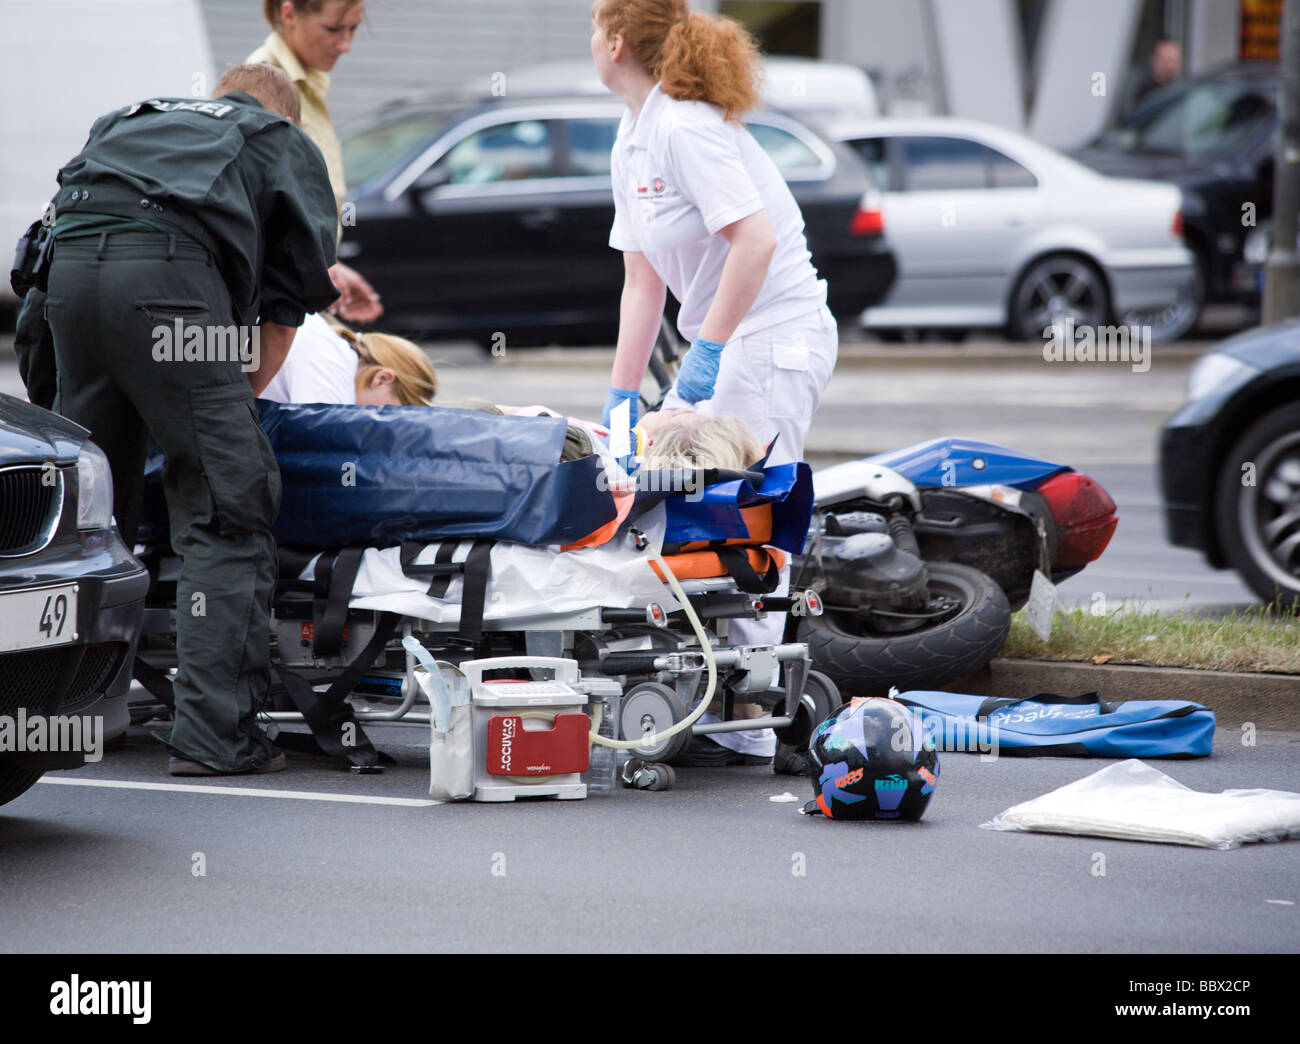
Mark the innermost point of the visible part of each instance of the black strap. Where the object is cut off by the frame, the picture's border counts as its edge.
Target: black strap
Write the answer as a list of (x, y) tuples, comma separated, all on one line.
[(442, 568), (474, 596), (328, 713), (997, 703), (155, 682), (330, 614), (746, 577)]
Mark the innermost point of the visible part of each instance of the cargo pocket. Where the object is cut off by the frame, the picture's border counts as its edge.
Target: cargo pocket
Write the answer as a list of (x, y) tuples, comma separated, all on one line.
[(792, 393), (242, 475)]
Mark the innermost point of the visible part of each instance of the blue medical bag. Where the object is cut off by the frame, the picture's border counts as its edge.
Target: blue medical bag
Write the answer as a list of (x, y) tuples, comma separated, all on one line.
[(1065, 726)]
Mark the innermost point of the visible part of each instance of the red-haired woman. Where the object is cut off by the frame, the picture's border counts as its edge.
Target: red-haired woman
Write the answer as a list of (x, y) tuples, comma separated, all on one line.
[(700, 209)]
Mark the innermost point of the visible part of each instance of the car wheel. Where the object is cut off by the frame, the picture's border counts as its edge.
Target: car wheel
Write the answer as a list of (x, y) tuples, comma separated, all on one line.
[(1177, 318), (16, 780), (1056, 288), (890, 335), (1257, 506)]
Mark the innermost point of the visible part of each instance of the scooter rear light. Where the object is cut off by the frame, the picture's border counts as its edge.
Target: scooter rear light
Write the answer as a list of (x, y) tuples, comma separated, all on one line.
[(867, 222), (1178, 224), (1085, 518)]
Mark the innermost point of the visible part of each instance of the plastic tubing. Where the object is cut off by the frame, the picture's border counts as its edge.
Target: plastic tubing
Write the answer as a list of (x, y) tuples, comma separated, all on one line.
[(710, 664)]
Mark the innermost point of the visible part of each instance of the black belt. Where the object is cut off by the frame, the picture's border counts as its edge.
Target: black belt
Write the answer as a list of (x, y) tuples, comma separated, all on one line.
[(118, 241)]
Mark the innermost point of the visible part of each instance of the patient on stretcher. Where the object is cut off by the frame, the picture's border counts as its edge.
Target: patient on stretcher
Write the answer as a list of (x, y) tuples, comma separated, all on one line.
[(330, 363)]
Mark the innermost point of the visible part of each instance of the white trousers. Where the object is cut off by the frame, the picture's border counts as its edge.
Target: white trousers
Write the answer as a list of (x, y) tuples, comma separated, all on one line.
[(772, 379)]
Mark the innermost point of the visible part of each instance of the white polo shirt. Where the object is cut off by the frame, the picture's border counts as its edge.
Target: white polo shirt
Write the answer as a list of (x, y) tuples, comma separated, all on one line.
[(320, 367), (681, 172)]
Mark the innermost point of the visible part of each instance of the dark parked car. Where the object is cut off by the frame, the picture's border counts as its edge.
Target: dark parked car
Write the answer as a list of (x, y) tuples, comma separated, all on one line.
[(1230, 461), (494, 217), (1213, 136), (71, 598)]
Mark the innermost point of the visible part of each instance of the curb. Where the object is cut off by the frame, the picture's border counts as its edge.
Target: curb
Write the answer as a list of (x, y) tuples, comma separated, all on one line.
[(1269, 701)]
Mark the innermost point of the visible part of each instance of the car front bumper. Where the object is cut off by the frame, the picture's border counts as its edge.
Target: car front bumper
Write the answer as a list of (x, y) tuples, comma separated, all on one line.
[(1186, 445), (91, 675)]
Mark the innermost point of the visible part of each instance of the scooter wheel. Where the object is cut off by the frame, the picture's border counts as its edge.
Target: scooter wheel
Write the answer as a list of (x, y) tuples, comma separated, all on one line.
[(863, 662)]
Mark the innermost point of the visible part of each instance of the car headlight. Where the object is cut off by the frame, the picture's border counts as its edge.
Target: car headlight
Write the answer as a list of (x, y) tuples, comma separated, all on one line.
[(94, 489), (1217, 374)]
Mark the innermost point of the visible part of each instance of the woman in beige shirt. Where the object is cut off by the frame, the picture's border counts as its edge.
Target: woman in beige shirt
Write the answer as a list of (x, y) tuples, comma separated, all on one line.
[(307, 37)]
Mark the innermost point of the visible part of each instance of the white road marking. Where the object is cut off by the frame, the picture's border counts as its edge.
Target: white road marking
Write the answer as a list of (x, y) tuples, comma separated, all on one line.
[(195, 788)]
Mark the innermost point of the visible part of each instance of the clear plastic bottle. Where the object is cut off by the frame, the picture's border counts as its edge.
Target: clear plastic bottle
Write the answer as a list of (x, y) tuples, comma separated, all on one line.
[(606, 762)]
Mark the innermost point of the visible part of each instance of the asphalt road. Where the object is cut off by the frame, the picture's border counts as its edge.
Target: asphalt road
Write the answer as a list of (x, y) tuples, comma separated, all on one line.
[(364, 863), (711, 865)]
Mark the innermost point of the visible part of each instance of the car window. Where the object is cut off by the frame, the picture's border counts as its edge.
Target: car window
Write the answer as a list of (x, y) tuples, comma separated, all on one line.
[(377, 149), (872, 151), (791, 156), (1004, 172), (943, 164), (503, 152), (1205, 119), (948, 164), (590, 143)]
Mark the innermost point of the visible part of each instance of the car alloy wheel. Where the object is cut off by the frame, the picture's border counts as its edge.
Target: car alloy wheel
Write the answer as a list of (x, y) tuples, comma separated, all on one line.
[(1057, 288), (1258, 506)]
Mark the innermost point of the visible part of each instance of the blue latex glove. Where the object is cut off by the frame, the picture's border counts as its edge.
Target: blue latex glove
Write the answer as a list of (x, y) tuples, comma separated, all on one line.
[(699, 371), (620, 395)]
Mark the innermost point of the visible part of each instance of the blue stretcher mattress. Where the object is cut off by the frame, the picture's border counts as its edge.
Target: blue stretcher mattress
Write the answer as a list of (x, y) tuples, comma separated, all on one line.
[(375, 476)]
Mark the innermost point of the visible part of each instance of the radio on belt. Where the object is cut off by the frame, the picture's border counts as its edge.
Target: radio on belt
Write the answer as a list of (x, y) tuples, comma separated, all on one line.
[(530, 737)]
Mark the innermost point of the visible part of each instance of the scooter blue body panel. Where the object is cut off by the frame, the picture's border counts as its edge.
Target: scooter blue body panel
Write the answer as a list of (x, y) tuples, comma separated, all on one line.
[(958, 462)]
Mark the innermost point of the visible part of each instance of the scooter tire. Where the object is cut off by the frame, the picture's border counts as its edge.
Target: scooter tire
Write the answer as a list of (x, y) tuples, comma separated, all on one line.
[(864, 664)]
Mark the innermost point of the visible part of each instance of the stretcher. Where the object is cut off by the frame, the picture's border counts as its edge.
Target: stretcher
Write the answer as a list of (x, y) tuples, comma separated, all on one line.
[(340, 614)]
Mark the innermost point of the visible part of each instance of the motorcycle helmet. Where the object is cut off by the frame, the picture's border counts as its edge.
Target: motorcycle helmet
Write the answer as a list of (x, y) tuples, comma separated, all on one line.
[(871, 759)]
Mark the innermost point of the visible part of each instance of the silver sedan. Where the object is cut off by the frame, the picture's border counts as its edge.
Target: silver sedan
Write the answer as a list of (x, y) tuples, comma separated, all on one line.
[(992, 229)]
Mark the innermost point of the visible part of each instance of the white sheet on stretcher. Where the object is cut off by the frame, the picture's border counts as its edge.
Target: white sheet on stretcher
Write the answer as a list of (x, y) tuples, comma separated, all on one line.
[(525, 583)]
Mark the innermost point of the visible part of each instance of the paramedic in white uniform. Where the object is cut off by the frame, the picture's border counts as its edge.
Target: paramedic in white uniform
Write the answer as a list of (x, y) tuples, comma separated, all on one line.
[(701, 210)]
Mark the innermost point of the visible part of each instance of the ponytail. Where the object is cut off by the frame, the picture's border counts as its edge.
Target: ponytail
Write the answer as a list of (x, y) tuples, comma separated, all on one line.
[(414, 380), (694, 56)]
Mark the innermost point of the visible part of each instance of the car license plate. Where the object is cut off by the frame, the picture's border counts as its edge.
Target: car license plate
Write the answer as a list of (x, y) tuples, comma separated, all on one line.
[(38, 618)]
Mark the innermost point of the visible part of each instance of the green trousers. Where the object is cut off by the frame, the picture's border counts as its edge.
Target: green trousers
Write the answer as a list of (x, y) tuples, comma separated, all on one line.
[(113, 307)]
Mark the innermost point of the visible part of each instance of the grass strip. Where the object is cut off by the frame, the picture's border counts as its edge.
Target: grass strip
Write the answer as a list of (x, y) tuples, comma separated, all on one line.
[(1254, 640)]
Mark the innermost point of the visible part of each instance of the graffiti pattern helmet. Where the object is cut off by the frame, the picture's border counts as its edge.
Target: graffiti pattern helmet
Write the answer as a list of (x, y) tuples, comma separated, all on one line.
[(871, 759)]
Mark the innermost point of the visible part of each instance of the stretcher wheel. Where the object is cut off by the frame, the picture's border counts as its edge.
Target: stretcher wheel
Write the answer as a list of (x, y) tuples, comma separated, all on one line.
[(652, 705), (821, 698), (642, 776), (664, 777)]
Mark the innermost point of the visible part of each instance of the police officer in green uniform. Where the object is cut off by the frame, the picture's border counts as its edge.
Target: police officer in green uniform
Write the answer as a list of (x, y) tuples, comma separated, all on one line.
[(183, 227)]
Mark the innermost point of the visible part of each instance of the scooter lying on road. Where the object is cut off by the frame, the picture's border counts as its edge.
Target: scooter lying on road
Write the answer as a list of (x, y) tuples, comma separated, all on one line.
[(920, 556)]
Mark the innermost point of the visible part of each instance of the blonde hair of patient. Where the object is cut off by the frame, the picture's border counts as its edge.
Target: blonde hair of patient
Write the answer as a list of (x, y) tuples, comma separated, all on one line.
[(697, 441), (414, 380)]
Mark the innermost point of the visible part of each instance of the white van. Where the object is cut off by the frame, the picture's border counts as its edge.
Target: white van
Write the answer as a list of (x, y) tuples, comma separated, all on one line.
[(63, 63)]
